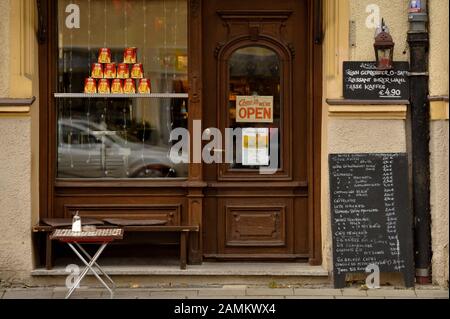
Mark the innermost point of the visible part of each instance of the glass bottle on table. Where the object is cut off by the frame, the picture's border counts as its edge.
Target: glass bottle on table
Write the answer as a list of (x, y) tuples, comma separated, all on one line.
[(76, 222)]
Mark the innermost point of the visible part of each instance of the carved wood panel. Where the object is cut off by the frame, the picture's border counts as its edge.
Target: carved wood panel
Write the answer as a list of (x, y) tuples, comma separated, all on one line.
[(171, 213), (255, 23), (255, 226)]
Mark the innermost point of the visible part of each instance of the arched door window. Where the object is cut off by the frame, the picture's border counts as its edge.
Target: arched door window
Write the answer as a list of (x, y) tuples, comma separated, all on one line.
[(254, 105)]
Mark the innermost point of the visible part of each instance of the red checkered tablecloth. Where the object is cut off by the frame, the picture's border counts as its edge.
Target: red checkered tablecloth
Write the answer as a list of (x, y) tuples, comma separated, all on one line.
[(99, 235)]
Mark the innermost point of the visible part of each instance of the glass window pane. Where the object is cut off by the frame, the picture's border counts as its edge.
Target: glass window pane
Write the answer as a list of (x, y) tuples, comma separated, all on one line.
[(126, 137), (254, 71)]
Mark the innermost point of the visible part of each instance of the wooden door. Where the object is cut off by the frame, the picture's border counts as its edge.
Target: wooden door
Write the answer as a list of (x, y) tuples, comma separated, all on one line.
[(260, 48)]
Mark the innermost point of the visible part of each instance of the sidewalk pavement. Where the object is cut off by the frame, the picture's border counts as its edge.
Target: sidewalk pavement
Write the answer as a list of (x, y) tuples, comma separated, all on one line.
[(228, 292)]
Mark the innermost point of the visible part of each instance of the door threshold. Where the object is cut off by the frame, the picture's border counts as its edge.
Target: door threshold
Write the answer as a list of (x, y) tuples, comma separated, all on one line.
[(205, 269)]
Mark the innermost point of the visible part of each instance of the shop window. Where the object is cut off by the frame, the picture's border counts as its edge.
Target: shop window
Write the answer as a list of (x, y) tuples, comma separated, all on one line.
[(105, 130)]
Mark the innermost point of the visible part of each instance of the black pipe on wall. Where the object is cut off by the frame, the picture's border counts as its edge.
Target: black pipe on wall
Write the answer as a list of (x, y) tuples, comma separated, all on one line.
[(418, 40)]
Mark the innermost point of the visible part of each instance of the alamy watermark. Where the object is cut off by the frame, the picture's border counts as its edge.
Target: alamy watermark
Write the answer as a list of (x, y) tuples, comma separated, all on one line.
[(74, 275), (373, 279), (246, 146)]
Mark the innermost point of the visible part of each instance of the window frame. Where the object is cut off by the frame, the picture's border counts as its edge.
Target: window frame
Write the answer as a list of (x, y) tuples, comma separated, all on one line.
[(49, 185)]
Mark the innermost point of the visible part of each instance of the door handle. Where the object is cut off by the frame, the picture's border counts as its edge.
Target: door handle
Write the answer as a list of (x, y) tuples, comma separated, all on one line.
[(195, 90)]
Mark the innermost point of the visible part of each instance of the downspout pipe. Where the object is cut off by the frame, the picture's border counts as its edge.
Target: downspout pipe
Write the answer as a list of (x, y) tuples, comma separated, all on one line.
[(418, 39)]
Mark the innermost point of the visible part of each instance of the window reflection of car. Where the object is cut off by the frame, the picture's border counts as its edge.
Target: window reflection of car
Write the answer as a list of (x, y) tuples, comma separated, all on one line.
[(91, 150)]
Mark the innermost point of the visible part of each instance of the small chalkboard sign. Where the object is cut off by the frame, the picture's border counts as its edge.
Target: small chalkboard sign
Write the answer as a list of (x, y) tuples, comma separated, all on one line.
[(362, 81), (371, 215)]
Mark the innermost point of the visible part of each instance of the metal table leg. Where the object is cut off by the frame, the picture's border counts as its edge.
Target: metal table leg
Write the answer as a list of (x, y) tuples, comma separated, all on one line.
[(95, 264), (89, 267)]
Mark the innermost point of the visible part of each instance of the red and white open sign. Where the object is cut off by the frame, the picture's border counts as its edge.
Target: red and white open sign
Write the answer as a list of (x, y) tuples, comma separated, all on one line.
[(254, 109)]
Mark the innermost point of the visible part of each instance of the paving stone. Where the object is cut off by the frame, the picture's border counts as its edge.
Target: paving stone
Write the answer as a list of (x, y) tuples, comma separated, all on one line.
[(269, 291), (427, 287), (173, 294), (132, 294), (30, 293), (261, 297), (233, 287), (356, 297), (309, 297), (221, 292), (2, 292), (216, 297), (82, 294), (317, 292), (396, 293), (354, 293), (432, 293)]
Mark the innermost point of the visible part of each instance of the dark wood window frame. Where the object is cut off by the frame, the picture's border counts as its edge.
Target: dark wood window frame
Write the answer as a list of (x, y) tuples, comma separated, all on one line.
[(191, 188)]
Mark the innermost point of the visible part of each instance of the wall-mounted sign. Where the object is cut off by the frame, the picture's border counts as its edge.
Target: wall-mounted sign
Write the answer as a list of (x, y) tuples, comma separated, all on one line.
[(254, 109), (255, 146), (415, 6), (362, 81)]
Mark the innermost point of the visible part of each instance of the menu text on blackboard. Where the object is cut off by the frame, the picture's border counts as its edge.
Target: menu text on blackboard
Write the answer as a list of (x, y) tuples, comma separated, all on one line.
[(362, 81), (371, 215)]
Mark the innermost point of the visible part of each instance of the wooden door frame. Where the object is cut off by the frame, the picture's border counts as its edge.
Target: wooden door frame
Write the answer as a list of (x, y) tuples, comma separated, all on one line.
[(195, 184), (314, 120), (315, 81)]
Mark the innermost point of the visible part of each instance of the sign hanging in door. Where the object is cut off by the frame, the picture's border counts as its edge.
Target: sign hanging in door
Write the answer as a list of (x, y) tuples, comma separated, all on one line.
[(255, 146), (254, 109)]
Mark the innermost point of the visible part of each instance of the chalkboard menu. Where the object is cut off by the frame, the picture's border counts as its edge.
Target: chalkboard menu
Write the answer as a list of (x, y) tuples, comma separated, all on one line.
[(362, 81), (371, 215)]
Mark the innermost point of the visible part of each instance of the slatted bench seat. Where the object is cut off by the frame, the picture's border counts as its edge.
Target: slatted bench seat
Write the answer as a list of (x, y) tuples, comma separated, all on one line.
[(183, 231)]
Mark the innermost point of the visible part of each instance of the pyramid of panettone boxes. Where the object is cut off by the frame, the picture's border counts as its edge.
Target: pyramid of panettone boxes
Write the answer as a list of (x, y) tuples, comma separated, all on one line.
[(117, 78)]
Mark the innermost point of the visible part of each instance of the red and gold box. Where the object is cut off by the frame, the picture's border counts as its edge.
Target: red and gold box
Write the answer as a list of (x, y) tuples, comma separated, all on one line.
[(90, 86), (103, 86), (130, 55), (144, 86), (104, 55), (109, 71), (129, 86), (97, 71), (137, 71), (117, 86), (123, 72)]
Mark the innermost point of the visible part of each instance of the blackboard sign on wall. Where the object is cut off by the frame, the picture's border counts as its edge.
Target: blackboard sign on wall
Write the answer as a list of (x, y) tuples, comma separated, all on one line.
[(362, 81), (371, 215)]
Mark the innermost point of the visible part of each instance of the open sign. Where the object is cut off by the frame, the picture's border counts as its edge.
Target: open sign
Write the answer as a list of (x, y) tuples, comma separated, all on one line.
[(254, 109)]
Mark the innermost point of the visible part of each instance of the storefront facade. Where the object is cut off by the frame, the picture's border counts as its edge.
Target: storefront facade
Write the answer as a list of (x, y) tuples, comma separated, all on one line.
[(106, 156)]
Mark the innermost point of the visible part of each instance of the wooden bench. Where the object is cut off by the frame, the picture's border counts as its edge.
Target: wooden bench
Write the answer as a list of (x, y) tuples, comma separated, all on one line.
[(182, 230)]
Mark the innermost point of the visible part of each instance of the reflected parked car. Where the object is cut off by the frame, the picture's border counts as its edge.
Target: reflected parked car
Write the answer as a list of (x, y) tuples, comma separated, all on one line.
[(91, 150)]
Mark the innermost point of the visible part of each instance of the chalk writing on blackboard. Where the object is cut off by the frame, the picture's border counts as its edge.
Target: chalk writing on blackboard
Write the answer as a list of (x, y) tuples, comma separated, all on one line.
[(363, 81), (371, 215)]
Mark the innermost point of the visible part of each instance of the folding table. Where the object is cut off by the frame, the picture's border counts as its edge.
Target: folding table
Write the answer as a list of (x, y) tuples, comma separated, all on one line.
[(100, 236)]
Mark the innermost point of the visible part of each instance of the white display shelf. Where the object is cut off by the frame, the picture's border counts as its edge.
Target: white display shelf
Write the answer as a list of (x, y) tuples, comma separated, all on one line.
[(122, 96)]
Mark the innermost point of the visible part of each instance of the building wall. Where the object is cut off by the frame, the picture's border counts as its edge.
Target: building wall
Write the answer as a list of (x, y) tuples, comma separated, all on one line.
[(15, 200), (19, 139), (395, 16), (4, 48), (439, 86), (345, 130), (360, 128), (439, 200), (439, 24)]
